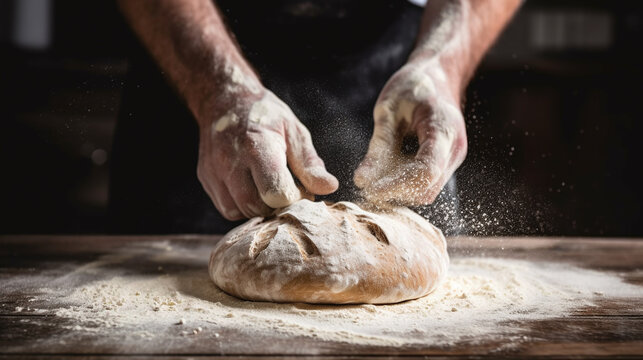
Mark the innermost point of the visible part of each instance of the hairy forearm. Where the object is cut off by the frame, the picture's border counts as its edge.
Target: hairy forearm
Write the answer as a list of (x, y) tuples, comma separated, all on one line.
[(455, 34), (189, 41)]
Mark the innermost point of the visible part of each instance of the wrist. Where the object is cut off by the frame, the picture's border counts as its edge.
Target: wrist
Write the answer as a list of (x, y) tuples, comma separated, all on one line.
[(444, 42), (226, 88), (234, 77), (446, 75)]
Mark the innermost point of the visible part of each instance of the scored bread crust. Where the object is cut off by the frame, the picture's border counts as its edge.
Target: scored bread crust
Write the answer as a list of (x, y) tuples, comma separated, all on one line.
[(337, 253)]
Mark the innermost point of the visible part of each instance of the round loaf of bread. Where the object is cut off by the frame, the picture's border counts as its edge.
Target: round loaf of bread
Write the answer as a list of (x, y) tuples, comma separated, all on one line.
[(337, 253)]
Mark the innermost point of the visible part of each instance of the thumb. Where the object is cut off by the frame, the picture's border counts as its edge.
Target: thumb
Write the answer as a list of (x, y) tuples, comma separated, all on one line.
[(381, 154), (306, 164), (437, 138)]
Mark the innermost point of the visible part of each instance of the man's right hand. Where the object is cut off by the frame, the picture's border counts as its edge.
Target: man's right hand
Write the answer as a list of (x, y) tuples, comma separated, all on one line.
[(247, 144), (248, 137)]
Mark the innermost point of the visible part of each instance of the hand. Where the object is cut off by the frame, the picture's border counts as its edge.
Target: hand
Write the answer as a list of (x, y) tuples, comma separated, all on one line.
[(417, 105), (247, 143)]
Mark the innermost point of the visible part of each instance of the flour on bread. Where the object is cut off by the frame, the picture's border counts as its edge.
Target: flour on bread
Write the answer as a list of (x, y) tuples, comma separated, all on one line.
[(331, 253)]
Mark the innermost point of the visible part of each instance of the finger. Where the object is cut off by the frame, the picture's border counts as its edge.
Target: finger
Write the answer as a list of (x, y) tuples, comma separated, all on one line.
[(458, 154), (436, 188), (409, 183), (435, 151), (381, 149), (441, 135), (271, 175), (306, 164), (443, 143), (245, 195), (416, 180), (411, 180), (220, 196)]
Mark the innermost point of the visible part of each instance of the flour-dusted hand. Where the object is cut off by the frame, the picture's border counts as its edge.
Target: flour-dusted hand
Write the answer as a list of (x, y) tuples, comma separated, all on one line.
[(248, 137), (422, 101), (419, 138), (248, 140)]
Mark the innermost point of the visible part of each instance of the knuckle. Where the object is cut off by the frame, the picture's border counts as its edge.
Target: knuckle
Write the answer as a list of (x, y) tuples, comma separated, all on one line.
[(251, 144), (204, 173), (383, 111), (303, 130), (429, 198), (298, 135)]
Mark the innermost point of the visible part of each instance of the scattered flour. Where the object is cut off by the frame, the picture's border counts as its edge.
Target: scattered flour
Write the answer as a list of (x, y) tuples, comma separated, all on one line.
[(482, 298)]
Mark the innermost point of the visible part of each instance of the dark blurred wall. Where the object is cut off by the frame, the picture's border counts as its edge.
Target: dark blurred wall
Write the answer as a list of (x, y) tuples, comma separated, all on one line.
[(58, 110), (553, 121)]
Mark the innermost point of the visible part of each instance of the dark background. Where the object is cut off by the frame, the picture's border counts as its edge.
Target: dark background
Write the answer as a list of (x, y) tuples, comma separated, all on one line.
[(553, 118)]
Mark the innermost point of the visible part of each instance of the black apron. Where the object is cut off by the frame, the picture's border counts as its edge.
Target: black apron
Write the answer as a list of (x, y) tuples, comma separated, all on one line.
[(327, 60)]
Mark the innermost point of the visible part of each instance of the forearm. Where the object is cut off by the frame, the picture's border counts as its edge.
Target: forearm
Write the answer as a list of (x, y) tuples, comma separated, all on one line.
[(455, 34), (189, 41)]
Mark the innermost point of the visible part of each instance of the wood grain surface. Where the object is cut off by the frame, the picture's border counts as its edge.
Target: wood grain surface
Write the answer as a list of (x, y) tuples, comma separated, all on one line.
[(612, 330)]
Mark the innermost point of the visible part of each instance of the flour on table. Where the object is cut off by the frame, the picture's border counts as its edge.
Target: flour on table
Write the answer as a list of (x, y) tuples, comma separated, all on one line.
[(482, 298)]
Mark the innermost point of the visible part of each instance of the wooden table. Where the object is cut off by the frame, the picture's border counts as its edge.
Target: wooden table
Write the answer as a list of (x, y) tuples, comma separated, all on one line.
[(613, 330)]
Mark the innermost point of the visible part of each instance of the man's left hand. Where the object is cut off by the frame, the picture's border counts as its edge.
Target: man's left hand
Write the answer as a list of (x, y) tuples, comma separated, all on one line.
[(419, 138)]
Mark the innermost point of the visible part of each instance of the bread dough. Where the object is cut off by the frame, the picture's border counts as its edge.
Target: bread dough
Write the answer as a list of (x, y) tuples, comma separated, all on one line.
[(331, 253)]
